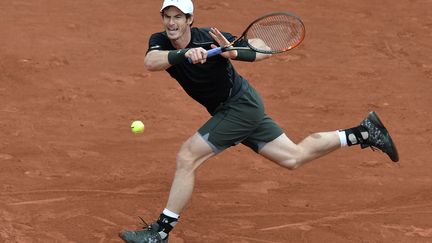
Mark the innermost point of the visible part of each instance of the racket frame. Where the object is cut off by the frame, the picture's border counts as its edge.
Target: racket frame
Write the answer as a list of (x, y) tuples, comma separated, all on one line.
[(229, 47)]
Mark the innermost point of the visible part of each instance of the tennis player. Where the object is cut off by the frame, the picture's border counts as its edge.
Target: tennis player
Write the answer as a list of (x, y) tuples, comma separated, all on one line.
[(236, 109)]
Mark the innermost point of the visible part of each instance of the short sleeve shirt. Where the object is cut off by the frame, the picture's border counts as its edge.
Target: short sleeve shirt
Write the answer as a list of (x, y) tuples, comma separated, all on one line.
[(210, 83)]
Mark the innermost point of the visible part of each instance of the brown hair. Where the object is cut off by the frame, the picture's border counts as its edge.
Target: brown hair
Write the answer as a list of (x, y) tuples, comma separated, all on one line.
[(187, 16)]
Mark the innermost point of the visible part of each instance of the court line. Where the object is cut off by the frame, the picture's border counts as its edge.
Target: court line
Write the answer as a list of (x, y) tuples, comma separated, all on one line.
[(77, 191), (256, 240), (38, 201), (345, 215)]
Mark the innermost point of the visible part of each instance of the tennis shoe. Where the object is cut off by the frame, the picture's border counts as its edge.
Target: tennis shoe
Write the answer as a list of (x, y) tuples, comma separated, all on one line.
[(147, 235), (379, 137)]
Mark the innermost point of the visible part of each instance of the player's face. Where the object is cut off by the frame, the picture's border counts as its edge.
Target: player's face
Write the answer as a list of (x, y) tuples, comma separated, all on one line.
[(176, 23)]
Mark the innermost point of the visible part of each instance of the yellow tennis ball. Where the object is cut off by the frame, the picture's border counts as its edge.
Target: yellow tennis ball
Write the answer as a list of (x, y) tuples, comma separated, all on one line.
[(137, 127)]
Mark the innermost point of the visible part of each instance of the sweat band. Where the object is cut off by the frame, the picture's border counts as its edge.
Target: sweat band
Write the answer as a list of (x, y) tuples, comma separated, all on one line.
[(246, 55), (176, 56), (342, 138)]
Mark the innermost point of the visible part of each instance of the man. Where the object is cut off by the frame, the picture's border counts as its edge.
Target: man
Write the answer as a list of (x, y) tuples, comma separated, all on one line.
[(237, 112)]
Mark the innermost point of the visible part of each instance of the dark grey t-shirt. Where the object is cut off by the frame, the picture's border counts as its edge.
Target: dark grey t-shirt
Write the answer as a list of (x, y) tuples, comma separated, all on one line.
[(210, 83)]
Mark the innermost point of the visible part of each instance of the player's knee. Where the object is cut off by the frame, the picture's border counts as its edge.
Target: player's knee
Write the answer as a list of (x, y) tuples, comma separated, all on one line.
[(293, 160), (185, 161), (291, 163)]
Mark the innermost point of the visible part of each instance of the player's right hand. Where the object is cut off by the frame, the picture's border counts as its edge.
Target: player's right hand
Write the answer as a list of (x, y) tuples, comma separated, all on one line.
[(197, 55)]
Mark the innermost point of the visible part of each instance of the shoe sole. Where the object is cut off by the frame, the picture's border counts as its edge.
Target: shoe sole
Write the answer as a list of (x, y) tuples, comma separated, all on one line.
[(375, 119), (122, 236)]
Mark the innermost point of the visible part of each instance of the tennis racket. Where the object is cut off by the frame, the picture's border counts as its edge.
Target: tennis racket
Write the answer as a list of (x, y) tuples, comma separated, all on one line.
[(274, 33)]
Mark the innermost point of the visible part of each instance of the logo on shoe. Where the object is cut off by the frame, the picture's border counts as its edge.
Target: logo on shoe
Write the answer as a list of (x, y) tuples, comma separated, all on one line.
[(151, 240)]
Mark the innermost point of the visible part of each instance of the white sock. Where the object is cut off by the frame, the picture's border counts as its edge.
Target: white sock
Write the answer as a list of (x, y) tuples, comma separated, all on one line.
[(342, 138), (170, 213)]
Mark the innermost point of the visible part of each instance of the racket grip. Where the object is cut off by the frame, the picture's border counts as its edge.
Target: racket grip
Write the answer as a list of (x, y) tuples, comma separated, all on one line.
[(210, 53), (214, 51)]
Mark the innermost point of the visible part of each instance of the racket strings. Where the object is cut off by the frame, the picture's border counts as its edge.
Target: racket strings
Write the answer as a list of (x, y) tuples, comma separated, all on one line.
[(276, 33)]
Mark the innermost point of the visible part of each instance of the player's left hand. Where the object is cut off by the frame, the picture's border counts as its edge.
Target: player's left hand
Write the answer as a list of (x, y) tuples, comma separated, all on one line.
[(222, 41)]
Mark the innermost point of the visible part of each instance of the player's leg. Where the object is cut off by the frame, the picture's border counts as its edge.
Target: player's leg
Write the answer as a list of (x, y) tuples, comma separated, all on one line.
[(370, 133), (191, 155), (290, 155)]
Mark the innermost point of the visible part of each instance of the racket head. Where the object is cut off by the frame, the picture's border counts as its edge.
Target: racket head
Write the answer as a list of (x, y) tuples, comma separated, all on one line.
[(275, 33)]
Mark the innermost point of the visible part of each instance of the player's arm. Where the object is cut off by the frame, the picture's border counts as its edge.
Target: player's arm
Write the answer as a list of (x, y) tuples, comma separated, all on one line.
[(158, 60), (260, 44), (242, 55)]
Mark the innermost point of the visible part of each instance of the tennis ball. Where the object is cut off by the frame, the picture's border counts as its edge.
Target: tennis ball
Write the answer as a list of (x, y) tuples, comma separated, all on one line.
[(137, 127)]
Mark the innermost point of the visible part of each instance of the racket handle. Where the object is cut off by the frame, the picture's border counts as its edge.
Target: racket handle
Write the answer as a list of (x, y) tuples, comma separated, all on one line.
[(210, 53), (214, 51)]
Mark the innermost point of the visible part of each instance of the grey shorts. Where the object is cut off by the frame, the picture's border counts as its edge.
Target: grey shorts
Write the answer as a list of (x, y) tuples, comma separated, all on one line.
[(240, 121)]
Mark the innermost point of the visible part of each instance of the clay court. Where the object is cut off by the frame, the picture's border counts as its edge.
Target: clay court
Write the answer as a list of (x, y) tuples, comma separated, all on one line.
[(72, 79)]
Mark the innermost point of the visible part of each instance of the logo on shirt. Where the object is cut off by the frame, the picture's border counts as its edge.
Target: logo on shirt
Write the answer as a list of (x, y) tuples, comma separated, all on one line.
[(155, 47)]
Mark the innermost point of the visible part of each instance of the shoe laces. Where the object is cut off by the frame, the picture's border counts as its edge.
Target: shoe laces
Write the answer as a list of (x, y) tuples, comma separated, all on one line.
[(144, 223)]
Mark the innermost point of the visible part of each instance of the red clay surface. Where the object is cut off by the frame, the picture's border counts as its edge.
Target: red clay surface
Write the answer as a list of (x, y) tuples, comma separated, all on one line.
[(72, 80)]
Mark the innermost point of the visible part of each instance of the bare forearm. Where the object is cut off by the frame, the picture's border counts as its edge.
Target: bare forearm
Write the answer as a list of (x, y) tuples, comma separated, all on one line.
[(156, 60), (261, 56), (260, 44)]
